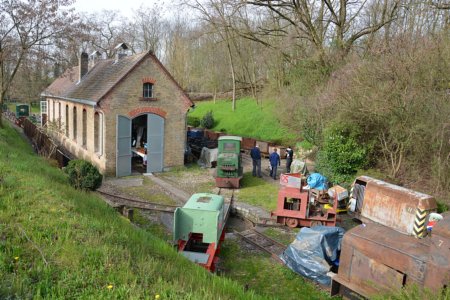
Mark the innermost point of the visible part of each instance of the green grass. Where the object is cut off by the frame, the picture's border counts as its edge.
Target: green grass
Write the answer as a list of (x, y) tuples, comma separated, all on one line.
[(148, 191), (157, 230), (256, 191), (60, 243), (262, 275), (249, 119), (281, 236)]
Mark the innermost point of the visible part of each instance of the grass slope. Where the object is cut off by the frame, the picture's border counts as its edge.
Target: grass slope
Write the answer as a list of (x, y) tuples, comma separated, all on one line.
[(249, 119), (60, 243)]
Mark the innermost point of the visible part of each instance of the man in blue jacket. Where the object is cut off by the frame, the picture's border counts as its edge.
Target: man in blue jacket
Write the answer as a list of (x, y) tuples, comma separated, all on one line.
[(256, 158), (275, 161)]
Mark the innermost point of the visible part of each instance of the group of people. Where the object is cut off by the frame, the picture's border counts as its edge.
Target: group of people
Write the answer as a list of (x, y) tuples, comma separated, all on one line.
[(275, 161)]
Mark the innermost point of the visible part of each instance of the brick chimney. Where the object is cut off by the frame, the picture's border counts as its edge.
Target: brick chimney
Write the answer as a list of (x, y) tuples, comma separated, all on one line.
[(83, 65)]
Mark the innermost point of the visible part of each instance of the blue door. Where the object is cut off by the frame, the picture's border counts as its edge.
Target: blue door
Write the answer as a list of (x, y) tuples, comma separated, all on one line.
[(155, 143), (123, 149)]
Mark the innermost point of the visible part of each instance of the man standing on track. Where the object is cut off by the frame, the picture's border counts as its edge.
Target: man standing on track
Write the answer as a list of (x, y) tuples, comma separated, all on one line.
[(275, 161), (256, 158)]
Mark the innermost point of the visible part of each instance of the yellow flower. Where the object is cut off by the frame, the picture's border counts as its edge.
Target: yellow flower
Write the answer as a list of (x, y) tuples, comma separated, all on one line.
[(157, 296), (16, 258), (110, 286)]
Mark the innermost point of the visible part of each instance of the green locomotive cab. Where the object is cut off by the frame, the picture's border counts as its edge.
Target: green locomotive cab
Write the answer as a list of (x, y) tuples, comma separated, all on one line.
[(199, 228), (22, 110), (229, 162)]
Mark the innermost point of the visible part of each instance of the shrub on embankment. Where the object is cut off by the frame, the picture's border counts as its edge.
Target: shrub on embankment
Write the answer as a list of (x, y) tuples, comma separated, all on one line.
[(60, 243), (83, 175)]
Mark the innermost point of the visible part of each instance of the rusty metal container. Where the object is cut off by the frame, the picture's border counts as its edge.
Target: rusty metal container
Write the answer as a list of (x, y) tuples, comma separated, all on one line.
[(397, 207), (280, 150), (248, 143), (211, 135), (263, 146), (376, 259)]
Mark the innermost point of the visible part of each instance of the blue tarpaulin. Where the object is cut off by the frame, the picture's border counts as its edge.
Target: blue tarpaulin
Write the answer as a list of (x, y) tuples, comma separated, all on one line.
[(317, 181), (314, 251)]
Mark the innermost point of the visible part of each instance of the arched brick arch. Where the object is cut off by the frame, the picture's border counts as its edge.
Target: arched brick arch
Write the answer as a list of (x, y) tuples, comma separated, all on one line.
[(150, 110)]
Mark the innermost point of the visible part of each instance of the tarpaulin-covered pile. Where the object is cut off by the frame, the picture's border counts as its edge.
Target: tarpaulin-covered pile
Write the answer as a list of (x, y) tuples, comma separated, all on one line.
[(314, 251), (317, 181), (207, 156)]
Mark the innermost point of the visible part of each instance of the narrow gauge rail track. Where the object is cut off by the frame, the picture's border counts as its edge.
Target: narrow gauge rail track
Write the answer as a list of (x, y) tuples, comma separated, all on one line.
[(254, 237), (263, 242), (135, 203), (117, 200)]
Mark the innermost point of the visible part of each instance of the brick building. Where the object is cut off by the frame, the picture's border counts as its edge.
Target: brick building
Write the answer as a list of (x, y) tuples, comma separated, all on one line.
[(111, 111)]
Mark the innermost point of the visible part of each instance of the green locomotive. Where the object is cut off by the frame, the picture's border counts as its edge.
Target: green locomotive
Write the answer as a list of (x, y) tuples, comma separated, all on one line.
[(198, 228), (229, 162)]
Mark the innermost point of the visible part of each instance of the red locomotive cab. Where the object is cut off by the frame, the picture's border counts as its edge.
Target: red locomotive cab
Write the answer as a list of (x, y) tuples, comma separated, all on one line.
[(297, 207)]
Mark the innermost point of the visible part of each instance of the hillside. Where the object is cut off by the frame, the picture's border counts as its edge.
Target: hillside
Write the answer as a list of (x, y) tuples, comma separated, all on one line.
[(60, 243), (249, 119)]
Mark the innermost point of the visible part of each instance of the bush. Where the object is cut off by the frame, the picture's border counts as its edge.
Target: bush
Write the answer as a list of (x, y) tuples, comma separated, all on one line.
[(193, 121), (207, 120), (342, 153), (83, 175)]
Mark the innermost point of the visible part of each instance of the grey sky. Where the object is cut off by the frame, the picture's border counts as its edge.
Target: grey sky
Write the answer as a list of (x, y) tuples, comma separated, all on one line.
[(125, 7)]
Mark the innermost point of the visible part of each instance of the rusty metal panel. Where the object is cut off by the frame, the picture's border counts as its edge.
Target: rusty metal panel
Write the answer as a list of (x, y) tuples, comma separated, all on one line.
[(377, 276), (263, 146), (248, 143), (373, 253), (396, 207), (442, 228)]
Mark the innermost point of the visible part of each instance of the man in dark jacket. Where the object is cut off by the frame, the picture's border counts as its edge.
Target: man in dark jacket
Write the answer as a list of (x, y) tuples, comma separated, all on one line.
[(289, 156), (256, 158), (275, 161)]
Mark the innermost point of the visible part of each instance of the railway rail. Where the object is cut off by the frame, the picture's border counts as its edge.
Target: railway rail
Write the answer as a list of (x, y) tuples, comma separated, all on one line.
[(252, 236), (263, 242), (120, 200), (117, 200)]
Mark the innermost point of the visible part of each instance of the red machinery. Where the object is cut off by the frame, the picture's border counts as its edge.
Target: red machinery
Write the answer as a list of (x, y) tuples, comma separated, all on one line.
[(299, 207)]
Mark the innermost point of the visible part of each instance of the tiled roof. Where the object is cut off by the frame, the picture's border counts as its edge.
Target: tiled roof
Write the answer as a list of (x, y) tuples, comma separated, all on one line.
[(96, 83)]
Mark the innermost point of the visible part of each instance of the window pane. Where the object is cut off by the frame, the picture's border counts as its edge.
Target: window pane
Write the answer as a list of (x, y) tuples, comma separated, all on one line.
[(148, 90)]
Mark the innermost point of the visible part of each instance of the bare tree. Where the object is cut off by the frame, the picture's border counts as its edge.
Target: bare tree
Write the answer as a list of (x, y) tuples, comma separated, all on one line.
[(327, 22), (147, 29), (26, 26), (105, 30), (218, 14)]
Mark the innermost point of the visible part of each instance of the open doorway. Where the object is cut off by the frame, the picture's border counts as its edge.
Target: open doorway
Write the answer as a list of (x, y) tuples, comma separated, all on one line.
[(139, 145)]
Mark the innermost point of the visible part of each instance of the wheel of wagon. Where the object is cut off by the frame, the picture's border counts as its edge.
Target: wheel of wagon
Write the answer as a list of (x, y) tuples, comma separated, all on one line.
[(291, 222), (315, 223)]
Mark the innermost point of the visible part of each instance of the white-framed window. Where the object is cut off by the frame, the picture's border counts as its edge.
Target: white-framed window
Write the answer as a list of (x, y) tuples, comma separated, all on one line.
[(147, 90)]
